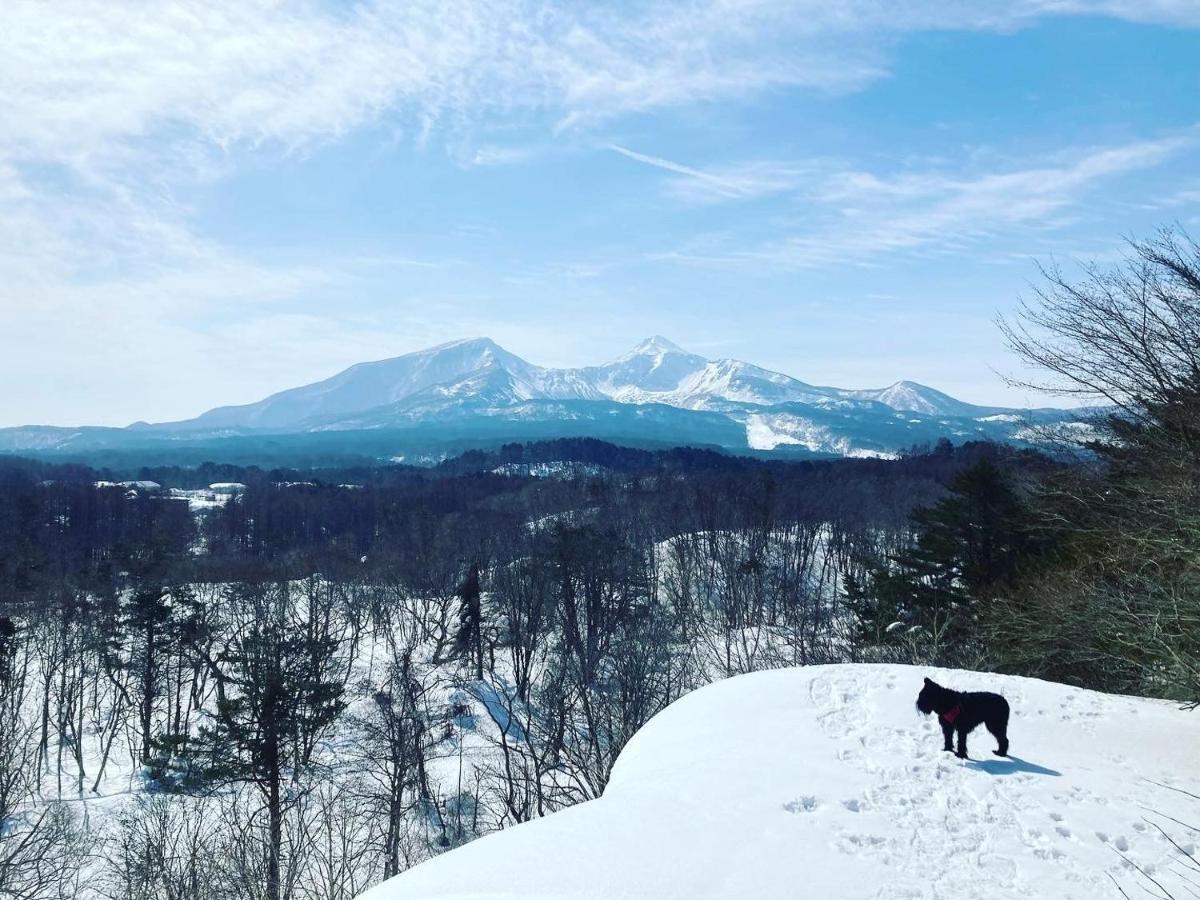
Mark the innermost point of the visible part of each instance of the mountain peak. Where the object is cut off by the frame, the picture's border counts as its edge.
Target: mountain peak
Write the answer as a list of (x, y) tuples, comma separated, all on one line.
[(481, 343), (657, 344), (911, 396)]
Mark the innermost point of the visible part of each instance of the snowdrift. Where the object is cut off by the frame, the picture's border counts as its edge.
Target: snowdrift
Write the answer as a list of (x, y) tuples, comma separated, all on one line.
[(826, 783)]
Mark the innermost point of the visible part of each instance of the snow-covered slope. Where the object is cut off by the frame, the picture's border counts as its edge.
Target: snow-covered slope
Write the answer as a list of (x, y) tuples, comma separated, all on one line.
[(908, 396), (459, 368), (824, 783), (657, 371)]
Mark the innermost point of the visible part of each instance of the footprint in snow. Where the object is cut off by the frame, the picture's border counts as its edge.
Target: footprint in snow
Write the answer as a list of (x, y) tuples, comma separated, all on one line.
[(853, 805), (852, 843), (1121, 844), (802, 805)]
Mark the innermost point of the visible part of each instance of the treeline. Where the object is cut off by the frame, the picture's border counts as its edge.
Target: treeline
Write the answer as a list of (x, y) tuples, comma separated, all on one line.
[(61, 523), (72, 537)]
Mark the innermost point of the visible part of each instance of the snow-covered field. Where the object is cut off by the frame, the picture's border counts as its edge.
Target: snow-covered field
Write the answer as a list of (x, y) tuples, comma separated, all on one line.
[(825, 783)]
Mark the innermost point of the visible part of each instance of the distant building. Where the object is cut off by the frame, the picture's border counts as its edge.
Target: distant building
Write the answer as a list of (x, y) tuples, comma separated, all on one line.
[(149, 487), (229, 488)]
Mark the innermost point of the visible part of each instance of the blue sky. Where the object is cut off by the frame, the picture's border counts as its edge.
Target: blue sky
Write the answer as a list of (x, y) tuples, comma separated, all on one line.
[(204, 203)]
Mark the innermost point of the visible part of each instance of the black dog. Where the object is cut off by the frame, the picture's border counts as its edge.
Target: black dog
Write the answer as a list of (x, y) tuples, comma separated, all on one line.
[(962, 712)]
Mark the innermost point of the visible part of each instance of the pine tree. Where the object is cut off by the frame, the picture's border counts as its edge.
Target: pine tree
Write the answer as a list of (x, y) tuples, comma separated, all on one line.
[(968, 546), (276, 692), (469, 640), (147, 614)]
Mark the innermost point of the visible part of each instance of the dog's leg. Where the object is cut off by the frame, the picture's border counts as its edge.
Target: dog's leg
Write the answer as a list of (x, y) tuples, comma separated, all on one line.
[(947, 733), (961, 753), (999, 728)]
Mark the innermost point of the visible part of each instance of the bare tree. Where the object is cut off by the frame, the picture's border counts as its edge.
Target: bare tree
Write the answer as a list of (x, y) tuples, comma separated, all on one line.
[(41, 844), (166, 848), (1128, 336), (393, 737)]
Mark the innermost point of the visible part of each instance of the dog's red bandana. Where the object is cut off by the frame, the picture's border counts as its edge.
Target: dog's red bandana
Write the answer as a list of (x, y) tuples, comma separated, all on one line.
[(950, 715)]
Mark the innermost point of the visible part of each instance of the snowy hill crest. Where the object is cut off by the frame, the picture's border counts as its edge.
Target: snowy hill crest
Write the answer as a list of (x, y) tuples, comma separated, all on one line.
[(824, 783)]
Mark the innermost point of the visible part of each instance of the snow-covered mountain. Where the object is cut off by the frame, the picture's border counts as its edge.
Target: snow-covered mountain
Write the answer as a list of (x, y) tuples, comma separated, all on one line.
[(479, 373), (475, 387), (460, 370), (908, 396), (823, 783), (657, 371)]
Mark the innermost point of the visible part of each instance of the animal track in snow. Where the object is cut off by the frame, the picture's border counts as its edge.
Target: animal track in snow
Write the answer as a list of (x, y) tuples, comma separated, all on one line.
[(802, 805), (1048, 853), (853, 843)]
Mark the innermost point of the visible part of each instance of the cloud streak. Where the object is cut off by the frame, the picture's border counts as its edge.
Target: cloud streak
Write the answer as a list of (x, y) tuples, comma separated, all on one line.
[(745, 181), (78, 76), (861, 216)]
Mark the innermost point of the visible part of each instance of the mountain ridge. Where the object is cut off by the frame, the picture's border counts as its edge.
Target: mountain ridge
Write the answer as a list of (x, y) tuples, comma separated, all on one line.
[(656, 370), (475, 387)]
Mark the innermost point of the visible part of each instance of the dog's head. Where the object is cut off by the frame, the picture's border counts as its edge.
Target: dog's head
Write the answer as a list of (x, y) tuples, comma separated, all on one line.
[(929, 698)]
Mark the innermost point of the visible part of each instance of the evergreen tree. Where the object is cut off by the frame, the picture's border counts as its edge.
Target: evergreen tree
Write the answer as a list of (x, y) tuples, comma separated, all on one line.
[(147, 614), (275, 695), (469, 639), (968, 546)]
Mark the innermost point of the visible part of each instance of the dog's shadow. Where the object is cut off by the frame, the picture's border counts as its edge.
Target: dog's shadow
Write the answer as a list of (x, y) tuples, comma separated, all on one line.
[(1010, 765)]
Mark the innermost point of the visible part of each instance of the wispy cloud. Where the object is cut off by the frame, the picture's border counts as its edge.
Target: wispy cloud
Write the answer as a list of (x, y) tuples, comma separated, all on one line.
[(744, 181), (494, 155), (859, 216), (78, 77)]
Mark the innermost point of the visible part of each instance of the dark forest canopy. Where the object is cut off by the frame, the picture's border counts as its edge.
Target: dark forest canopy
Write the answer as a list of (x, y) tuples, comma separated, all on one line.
[(580, 451), (68, 527)]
